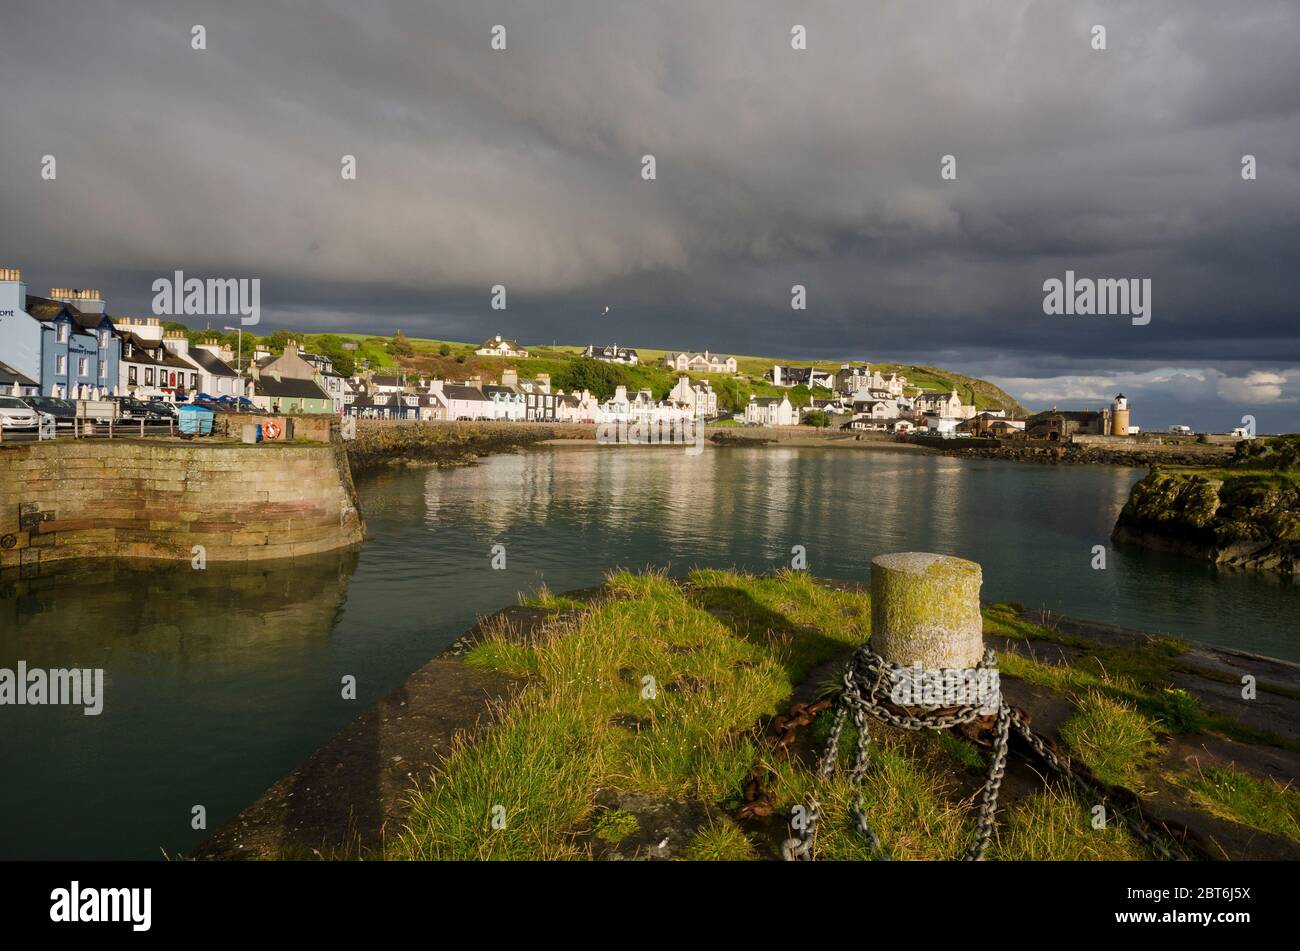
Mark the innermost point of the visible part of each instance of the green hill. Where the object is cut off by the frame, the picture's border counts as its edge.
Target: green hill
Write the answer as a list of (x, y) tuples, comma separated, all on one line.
[(451, 359)]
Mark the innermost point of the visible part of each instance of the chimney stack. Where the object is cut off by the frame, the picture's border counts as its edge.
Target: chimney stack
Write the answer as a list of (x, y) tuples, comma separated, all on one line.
[(176, 342), (86, 300)]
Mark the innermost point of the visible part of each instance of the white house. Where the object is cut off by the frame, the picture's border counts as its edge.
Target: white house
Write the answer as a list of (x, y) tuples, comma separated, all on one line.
[(504, 402), (386, 385), (801, 376), (614, 354), (942, 424), (770, 411), (875, 409), (577, 408), (700, 362), (217, 376), (698, 398), (460, 402), (942, 404), (500, 347)]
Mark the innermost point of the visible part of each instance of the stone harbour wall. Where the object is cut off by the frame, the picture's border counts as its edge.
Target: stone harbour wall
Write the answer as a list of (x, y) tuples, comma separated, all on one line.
[(157, 498), (384, 444)]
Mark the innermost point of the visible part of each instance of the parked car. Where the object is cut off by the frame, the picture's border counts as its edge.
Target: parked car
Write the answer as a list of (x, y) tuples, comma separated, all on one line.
[(130, 408), (16, 414), (62, 410)]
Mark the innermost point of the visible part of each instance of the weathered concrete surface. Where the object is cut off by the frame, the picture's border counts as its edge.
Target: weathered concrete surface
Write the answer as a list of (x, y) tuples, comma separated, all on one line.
[(1211, 674), (156, 498), (925, 609), (355, 790)]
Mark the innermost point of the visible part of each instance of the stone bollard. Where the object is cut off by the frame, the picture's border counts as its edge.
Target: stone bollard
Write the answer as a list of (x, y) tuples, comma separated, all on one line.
[(925, 609)]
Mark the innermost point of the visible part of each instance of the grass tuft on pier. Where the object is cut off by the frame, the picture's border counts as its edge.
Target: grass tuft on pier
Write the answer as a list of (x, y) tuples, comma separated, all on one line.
[(1238, 796)]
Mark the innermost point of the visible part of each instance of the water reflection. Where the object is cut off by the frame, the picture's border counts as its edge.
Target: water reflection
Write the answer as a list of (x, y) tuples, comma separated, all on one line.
[(219, 682)]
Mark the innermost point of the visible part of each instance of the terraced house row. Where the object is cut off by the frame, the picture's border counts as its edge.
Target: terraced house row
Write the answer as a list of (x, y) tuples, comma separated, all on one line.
[(67, 345)]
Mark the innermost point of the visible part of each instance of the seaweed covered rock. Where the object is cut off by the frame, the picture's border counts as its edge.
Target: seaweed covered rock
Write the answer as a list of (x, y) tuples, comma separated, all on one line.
[(1275, 452), (1246, 514)]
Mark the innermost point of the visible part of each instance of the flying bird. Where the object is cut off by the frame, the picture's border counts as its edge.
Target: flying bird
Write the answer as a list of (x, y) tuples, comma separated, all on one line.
[(606, 314)]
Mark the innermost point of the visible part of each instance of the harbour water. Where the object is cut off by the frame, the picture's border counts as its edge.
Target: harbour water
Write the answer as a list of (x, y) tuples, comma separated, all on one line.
[(218, 682)]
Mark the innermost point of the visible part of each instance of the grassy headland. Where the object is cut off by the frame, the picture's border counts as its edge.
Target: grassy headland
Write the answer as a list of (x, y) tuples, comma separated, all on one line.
[(660, 689)]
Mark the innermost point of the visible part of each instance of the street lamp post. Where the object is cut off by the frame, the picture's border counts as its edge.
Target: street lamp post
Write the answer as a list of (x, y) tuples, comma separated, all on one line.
[(239, 355)]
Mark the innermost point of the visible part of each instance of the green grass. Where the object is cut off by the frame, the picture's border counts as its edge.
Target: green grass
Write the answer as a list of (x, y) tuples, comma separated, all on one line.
[(721, 841), (907, 793), (1053, 825), (1240, 797), (647, 651), (652, 374), (1111, 738), (659, 688), (616, 825), (1242, 475), (544, 599), (1141, 677)]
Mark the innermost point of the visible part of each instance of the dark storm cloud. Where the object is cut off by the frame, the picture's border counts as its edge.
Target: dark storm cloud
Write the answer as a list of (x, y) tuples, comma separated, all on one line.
[(775, 167)]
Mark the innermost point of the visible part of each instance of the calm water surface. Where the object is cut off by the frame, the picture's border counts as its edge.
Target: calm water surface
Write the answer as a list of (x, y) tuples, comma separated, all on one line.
[(218, 682)]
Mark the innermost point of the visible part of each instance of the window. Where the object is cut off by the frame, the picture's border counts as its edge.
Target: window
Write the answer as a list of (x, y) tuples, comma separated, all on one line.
[(103, 338), (148, 376), (103, 369), (61, 364), (61, 332), (130, 375), (83, 366)]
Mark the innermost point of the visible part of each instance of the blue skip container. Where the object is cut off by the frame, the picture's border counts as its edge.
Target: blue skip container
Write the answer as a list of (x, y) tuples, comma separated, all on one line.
[(195, 420)]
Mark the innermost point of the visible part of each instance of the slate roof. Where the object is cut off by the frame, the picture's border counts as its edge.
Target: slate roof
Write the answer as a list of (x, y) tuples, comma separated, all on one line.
[(9, 376), (212, 363), (287, 386), (611, 353), (457, 392), (43, 308)]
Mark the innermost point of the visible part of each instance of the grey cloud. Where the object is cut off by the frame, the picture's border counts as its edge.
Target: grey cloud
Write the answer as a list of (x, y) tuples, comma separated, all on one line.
[(775, 167)]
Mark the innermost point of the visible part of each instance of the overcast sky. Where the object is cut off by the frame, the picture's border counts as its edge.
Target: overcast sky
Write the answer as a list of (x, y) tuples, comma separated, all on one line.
[(774, 167)]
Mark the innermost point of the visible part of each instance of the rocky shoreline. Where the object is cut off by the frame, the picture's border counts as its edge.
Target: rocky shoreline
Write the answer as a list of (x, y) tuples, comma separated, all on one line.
[(384, 444), (1245, 514), (1097, 456)]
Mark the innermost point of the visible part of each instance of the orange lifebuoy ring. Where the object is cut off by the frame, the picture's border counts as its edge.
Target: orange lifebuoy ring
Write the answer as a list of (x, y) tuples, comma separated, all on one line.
[(271, 430)]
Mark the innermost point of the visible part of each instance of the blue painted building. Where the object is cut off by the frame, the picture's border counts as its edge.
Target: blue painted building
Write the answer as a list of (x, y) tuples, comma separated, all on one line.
[(65, 341)]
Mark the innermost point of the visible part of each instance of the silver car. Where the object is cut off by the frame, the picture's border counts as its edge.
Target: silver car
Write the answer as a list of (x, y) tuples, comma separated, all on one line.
[(15, 414)]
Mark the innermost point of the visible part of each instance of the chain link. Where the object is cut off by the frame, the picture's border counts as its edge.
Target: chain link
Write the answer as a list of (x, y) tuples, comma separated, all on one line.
[(866, 675)]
